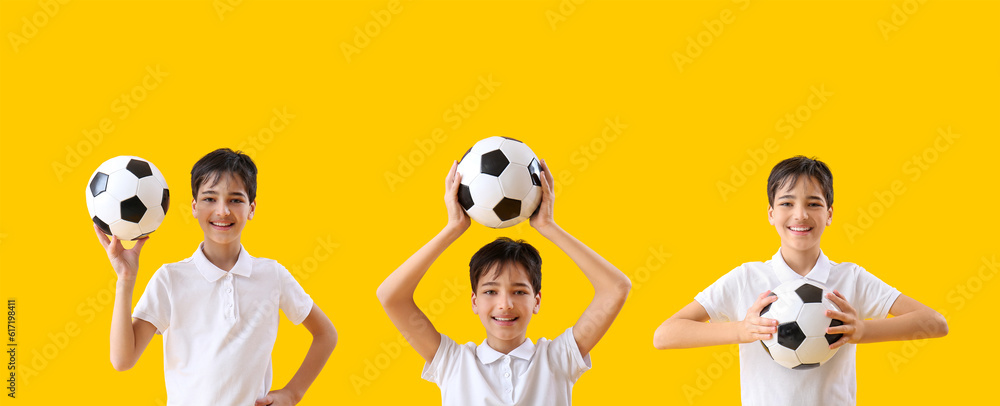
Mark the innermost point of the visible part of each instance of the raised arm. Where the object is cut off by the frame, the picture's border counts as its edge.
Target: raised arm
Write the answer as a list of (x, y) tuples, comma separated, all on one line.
[(611, 287), (396, 292), (129, 337), (688, 328)]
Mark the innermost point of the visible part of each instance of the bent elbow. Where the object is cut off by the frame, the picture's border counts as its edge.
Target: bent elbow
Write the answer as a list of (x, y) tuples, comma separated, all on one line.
[(121, 365), (661, 340), (942, 325)]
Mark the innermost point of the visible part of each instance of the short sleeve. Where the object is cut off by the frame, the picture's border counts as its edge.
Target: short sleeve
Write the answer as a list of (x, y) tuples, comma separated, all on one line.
[(874, 297), (565, 353), (154, 304), (294, 301), (445, 358), (721, 297)]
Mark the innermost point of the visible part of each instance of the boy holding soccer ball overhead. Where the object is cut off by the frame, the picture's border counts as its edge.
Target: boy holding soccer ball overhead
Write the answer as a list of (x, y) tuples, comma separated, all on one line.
[(507, 368), (218, 309), (800, 197)]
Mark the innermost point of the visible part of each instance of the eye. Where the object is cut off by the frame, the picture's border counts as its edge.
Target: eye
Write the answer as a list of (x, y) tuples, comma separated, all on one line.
[(236, 201), (521, 292), (208, 199), (816, 204), (784, 204), (490, 292)]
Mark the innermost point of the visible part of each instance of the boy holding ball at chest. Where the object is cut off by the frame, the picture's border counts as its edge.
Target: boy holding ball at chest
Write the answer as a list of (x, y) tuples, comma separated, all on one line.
[(800, 197)]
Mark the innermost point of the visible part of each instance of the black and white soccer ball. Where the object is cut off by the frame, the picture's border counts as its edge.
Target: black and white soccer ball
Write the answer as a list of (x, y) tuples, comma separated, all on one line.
[(127, 197), (801, 341), (500, 182)]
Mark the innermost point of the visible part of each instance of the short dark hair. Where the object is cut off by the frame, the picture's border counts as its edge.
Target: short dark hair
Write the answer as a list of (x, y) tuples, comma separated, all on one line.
[(790, 169), (223, 161), (505, 251)]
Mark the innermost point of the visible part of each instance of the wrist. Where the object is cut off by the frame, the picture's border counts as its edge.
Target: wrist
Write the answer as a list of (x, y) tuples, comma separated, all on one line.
[(452, 231), (549, 229)]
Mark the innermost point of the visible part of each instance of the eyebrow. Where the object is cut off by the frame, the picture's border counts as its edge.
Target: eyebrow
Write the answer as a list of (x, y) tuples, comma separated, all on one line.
[(793, 197), (214, 193), (519, 284)]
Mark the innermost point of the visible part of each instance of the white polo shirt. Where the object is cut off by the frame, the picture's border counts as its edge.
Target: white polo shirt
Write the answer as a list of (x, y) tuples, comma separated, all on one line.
[(471, 375), (763, 381), (219, 327)]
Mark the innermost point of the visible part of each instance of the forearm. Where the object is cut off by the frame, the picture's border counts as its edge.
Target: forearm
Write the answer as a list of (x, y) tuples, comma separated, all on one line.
[(605, 277), (319, 352), (401, 284), (122, 333), (682, 333), (915, 325)]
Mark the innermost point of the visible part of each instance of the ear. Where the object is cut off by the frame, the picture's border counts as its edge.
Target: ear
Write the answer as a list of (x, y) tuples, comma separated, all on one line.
[(770, 214), (538, 303), (475, 306), (829, 217), (194, 207), (253, 206)]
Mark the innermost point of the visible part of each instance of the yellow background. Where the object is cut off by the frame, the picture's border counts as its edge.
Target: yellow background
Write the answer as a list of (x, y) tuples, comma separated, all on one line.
[(564, 70)]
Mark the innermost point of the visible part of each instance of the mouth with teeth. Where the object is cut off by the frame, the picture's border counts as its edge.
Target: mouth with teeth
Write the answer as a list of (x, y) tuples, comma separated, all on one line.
[(504, 321), (218, 225), (800, 230)]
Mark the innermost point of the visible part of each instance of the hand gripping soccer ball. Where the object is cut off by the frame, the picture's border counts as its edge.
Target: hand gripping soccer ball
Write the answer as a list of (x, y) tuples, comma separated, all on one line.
[(500, 182), (128, 197), (801, 341)]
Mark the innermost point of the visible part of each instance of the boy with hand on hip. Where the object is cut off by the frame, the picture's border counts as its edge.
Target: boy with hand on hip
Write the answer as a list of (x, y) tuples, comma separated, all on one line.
[(218, 309)]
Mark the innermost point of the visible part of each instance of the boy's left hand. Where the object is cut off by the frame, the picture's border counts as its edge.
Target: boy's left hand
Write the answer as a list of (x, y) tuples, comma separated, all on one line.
[(543, 215), (280, 397), (852, 329)]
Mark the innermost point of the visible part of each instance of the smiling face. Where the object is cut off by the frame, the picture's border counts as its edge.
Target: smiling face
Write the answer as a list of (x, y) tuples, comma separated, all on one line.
[(800, 214), (505, 302), (222, 208)]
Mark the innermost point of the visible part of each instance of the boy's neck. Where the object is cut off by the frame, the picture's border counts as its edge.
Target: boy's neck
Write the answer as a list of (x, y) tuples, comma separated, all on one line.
[(505, 346), (223, 256), (800, 261)]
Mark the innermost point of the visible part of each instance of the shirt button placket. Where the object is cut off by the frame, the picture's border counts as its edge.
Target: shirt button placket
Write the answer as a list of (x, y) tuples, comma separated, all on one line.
[(230, 298), (507, 384)]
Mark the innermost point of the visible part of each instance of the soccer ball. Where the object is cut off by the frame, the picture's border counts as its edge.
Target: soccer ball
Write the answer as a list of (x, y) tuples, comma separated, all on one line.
[(500, 182), (801, 341), (128, 197)]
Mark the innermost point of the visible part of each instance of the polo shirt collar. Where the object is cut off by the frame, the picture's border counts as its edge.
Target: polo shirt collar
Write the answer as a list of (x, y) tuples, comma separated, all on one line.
[(819, 272), (487, 355), (212, 273)]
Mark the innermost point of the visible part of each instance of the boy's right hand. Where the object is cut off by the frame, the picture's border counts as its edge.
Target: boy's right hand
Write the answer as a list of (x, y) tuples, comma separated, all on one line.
[(753, 327), (124, 261), (458, 219)]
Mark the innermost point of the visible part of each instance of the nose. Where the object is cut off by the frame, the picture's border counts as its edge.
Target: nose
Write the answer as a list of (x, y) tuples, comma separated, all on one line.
[(222, 209), (506, 302), (800, 213)]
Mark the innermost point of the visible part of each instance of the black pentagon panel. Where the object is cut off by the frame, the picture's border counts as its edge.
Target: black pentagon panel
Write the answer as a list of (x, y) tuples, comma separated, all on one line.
[(805, 366), (493, 163), (768, 307), (99, 184), (790, 335), (165, 202), (508, 209), (810, 293), (465, 197), (133, 209), (766, 349), (463, 155), (534, 170), (102, 225), (832, 338), (139, 168)]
